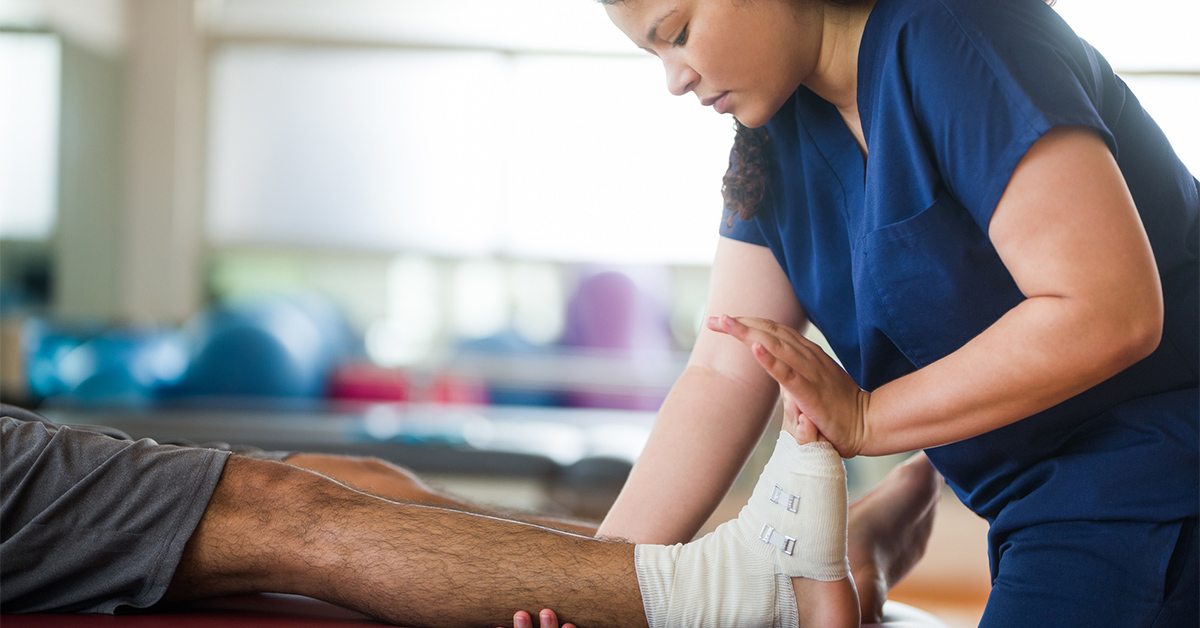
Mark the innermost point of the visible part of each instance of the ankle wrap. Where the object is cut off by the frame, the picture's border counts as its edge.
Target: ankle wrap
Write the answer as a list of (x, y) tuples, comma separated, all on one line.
[(740, 575)]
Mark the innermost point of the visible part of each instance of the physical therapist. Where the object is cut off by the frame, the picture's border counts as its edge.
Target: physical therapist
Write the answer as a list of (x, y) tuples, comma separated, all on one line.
[(1001, 247)]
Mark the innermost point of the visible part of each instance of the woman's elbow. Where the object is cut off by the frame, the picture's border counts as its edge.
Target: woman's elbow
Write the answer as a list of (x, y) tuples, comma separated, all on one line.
[(1147, 336), (1140, 332)]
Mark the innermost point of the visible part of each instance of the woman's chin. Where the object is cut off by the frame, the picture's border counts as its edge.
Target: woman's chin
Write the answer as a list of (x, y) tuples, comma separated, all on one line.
[(752, 122), (753, 117)]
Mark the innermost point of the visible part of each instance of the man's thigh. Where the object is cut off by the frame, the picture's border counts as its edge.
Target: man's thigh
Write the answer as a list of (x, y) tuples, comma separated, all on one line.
[(1091, 574)]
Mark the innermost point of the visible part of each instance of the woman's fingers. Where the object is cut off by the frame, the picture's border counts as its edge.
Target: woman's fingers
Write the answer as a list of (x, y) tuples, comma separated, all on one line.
[(546, 619), (776, 329), (783, 352), (743, 326), (783, 342), (827, 399), (781, 369), (792, 359)]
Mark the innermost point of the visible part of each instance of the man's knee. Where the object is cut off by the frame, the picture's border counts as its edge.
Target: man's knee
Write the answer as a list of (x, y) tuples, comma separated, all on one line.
[(254, 530)]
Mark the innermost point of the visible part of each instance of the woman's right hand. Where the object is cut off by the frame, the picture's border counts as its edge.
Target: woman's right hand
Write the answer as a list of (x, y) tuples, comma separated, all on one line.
[(547, 619)]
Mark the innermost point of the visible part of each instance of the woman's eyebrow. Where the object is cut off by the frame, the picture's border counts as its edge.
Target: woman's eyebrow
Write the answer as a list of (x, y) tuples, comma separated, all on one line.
[(653, 33)]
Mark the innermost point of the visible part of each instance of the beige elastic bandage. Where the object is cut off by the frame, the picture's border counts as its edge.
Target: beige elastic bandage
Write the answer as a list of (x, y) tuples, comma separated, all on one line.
[(740, 575)]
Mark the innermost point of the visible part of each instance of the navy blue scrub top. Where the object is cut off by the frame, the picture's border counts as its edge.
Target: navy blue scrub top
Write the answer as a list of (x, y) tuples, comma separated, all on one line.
[(891, 260)]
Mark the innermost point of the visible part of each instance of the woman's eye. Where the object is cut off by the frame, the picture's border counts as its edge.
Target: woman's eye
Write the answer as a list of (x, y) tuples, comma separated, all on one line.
[(682, 39)]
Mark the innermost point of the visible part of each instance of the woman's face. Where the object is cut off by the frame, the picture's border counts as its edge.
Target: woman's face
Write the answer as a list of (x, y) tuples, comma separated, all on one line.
[(743, 57)]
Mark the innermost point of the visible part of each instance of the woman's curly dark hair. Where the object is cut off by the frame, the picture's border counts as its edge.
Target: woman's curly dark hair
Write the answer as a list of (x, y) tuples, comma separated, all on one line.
[(744, 186)]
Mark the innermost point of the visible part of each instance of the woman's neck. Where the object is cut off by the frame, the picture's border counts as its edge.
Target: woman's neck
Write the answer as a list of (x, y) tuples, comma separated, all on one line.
[(835, 77)]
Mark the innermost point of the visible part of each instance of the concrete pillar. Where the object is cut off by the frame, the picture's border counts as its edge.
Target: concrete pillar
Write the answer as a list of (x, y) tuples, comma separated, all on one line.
[(89, 234), (162, 226)]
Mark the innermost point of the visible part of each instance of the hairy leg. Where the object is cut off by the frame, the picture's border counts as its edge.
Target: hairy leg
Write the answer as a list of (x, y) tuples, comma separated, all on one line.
[(371, 475), (393, 482), (888, 528), (272, 527)]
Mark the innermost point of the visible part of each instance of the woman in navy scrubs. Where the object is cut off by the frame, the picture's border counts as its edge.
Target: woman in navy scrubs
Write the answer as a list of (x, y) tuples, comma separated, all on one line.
[(1001, 247)]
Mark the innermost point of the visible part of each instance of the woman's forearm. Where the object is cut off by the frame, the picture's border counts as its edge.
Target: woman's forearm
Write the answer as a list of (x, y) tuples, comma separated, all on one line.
[(705, 432), (715, 413), (1041, 353)]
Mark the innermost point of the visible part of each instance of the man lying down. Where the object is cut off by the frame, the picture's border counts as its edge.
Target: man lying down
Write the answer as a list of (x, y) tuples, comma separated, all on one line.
[(92, 522)]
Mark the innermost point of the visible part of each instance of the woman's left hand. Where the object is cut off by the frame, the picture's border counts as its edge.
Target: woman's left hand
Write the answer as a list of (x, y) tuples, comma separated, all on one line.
[(546, 619), (822, 390)]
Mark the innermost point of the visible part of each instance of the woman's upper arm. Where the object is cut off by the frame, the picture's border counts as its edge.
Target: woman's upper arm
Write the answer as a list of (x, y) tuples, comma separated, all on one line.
[(1070, 236), (715, 413), (1066, 227)]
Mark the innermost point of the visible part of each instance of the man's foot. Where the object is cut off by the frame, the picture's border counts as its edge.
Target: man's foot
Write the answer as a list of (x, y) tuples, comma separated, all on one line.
[(827, 604), (787, 544), (889, 529)]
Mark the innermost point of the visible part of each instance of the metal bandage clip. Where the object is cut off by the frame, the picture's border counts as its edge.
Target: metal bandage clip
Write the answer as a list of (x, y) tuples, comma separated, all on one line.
[(793, 501), (769, 535)]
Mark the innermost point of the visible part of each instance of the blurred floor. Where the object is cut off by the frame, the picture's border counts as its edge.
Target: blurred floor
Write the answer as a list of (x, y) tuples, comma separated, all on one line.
[(952, 581)]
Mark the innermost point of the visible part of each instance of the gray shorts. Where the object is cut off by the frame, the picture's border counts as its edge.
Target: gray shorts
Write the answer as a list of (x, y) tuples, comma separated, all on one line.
[(91, 520)]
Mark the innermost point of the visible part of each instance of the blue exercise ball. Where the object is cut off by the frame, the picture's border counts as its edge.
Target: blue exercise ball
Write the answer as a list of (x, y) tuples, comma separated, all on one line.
[(279, 347)]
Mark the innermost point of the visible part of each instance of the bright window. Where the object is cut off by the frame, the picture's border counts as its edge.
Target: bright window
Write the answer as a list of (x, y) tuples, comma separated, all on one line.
[(566, 158), (1154, 48), (30, 83)]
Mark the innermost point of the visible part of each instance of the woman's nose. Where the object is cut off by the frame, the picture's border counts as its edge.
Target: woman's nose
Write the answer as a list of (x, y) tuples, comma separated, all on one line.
[(681, 78)]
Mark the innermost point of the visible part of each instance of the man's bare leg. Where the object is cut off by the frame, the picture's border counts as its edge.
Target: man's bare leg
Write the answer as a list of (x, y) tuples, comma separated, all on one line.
[(392, 482), (272, 527), (888, 528), (888, 531)]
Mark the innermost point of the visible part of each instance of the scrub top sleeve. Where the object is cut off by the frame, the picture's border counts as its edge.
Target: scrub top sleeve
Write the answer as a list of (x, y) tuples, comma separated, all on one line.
[(987, 80), (735, 227)]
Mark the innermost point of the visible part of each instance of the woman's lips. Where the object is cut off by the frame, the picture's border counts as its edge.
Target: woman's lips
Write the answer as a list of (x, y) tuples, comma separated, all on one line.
[(721, 105)]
